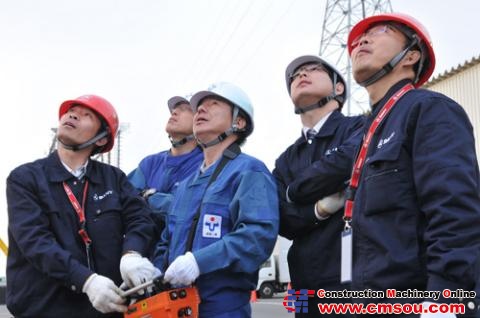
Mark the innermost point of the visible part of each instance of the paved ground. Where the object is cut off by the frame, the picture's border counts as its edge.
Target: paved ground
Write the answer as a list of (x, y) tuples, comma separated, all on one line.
[(4, 312), (263, 308)]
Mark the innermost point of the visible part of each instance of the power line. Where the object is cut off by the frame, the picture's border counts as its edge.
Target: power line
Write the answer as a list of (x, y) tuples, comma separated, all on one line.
[(195, 64), (254, 27), (233, 32), (262, 43), (198, 71)]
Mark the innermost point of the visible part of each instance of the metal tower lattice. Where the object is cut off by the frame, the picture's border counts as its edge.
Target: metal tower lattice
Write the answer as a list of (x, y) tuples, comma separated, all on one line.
[(113, 157), (340, 16)]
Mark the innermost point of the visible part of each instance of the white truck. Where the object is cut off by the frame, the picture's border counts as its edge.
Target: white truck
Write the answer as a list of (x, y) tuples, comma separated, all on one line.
[(273, 276)]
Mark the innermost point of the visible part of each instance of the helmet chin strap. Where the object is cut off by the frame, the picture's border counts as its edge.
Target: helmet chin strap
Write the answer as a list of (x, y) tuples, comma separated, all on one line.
[(183, 141), (86, 144), (319, 104), (225, 134), (322, 102), (387, 68)]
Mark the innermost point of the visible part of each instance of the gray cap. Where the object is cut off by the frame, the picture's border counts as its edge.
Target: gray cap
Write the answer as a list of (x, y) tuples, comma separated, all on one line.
[(307, 59), (175, 100)]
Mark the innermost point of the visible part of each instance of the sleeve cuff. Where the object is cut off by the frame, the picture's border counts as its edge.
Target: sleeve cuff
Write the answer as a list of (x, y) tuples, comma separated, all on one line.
[(317, 214), (79, 277)]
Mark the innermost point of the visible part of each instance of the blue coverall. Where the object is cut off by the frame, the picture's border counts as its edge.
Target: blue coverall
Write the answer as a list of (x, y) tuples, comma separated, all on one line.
[(163, 172), (47, 263), (236, 232)]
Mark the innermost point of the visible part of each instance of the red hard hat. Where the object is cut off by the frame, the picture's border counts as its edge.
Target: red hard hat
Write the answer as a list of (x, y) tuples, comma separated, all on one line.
[(102, 107), (410, 22)]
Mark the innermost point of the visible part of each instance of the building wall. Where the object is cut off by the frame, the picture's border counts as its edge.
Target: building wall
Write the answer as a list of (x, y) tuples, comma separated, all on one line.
[(464, 87)]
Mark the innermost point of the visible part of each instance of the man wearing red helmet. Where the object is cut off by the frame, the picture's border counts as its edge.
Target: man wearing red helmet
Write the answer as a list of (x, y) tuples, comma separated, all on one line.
[(77, 228), (413, 201)]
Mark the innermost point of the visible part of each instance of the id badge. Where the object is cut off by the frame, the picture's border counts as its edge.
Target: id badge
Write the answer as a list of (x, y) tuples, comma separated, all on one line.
[(346, 257)]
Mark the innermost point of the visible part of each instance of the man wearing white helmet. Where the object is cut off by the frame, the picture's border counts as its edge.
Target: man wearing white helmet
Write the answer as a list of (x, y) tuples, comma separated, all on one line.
[(223, 222), (158, 175), (318, 91)]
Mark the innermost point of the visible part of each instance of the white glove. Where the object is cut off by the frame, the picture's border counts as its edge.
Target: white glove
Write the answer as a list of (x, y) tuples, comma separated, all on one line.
[(183, 270), (329, 205), (426, 304), (136, 269), (149, 289), (103, 294)]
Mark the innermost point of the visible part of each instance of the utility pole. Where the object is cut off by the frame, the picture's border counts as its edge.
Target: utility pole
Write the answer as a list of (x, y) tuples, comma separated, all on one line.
[(123, 128), (340, 16)]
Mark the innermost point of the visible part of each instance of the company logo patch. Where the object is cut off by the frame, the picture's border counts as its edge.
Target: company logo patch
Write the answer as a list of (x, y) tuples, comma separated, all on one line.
[(212, 226), (384, 141), (330, 151), (97, 197)]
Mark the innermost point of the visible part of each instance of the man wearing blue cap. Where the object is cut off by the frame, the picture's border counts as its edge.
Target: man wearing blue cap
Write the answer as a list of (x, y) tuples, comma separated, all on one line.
[(158, 175)]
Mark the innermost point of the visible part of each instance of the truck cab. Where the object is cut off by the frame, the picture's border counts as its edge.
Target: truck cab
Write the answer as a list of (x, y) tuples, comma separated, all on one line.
[(273, 276)]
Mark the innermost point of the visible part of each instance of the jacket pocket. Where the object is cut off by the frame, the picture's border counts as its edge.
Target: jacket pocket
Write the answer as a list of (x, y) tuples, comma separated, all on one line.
[(388, 183), (104, 223), (215, 220)]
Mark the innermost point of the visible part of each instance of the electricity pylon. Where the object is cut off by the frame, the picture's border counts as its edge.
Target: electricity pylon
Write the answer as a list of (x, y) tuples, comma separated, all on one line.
[(340, 16)]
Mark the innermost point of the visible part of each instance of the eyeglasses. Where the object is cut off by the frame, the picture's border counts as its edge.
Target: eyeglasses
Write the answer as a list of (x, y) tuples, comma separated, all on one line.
[(307, 69), (372, 32)]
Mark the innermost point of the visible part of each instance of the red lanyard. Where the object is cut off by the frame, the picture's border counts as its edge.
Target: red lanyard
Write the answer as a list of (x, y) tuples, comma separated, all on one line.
[(357, 168), (80, 210)]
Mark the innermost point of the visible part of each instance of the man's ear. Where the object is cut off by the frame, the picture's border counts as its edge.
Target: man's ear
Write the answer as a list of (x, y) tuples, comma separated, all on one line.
[(339, 88), (102, 142), (241, 122), (412, 57)]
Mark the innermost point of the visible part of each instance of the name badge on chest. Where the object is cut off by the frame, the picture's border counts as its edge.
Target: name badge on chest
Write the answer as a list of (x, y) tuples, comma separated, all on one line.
[(346, 257)]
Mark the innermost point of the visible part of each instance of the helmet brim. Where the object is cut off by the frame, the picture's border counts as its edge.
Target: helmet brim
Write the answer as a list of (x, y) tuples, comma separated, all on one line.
[(404, 19), (175, 100), (306, 59)]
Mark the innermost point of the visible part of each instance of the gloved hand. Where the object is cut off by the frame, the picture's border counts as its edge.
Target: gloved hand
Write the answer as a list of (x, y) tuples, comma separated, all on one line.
[(149, 289), (103, 294), (136, 269), (329, 205), (183, 270), (426, 304)]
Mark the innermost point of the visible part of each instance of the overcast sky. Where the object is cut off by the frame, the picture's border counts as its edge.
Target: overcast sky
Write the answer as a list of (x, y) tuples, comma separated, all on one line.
[(139, 53)]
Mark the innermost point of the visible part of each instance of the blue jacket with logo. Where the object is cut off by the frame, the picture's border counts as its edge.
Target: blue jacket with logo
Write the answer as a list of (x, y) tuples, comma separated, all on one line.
[(314, 257), (47, 263), (236, 232), (163, 172), (417, 208)]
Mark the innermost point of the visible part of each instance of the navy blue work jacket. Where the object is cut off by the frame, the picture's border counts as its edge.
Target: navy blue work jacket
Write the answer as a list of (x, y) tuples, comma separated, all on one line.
[(417, 208), (47, 264), (326, 174), (314, 257)]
